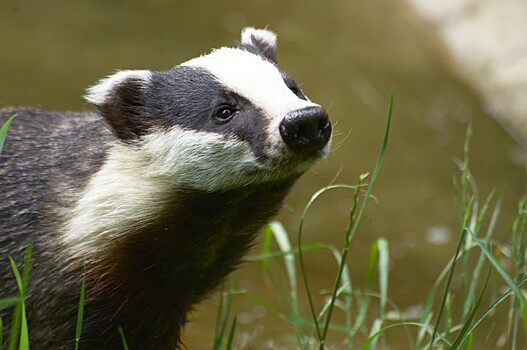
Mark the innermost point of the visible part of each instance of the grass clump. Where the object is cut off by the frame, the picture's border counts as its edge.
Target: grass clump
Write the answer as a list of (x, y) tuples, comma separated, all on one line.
[(321, 320), (459, 303), (19, 333)]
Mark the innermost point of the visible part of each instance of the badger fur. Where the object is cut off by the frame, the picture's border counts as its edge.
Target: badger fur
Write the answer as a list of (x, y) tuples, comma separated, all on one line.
[(155, 197)]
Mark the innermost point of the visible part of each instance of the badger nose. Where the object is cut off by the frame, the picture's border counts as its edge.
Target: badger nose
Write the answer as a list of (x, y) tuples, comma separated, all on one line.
[(306, 130)]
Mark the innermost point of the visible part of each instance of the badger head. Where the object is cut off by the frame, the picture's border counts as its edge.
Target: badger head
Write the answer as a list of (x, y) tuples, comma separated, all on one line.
[(224, 120)]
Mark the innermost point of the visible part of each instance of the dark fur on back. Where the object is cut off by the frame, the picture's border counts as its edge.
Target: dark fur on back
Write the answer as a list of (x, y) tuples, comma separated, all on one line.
[(45, 155)]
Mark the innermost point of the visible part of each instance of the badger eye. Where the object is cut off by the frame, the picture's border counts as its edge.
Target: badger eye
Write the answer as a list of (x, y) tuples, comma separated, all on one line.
[(224, 114)]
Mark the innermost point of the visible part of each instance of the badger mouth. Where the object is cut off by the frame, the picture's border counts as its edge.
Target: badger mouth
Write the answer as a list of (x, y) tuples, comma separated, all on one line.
[(279, 164)]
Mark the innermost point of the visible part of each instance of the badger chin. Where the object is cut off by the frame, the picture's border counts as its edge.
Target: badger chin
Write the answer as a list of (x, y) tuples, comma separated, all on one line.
[(293, 164)]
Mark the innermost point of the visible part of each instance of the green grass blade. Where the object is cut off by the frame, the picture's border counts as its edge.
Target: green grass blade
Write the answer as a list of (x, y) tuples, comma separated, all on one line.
[(222, 319), (80, 312), (345, 289), (1, 332), (260, 301), (220, 322), (491, 309), (277, 254), (519, 251), (384, 259), (231, 334), (8, 302), (504, 275), (266, 248), (123, 338), (24, 333), (19, 322), (17, 314), (448, 316), (371, 338), (27, 267), (459, 248), (282, 239), (464, 334), (470, 339), (426, 313), (365, 299), (426, 317), (3, 131), (375, 329), (476, 272)]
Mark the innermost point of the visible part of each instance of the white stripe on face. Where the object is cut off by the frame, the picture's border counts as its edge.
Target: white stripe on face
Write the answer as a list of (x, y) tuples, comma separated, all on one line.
[(252, 77)]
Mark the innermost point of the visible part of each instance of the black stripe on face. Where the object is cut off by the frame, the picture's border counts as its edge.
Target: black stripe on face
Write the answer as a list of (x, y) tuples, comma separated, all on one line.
[(292, 85), (193, 99)]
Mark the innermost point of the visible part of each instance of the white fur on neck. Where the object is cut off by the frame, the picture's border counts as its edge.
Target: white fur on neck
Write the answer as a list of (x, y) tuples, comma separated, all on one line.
[(136, 183)]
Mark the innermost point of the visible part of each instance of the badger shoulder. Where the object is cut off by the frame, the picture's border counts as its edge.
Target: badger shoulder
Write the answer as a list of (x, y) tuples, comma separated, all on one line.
[(46, 159), (52, 140)]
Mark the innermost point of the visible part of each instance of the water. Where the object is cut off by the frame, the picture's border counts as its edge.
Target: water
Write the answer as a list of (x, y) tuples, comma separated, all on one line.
[(347, 55)]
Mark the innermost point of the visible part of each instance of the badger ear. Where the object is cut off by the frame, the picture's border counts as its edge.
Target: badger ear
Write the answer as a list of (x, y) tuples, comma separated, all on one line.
[(259, 41), (121, 100)]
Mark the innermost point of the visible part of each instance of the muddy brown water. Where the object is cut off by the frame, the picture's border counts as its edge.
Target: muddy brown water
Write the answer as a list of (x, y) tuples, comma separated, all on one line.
[(347, 55)]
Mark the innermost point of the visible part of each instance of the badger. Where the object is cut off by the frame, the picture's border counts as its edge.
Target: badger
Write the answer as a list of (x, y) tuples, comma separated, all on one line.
[(154, 198)]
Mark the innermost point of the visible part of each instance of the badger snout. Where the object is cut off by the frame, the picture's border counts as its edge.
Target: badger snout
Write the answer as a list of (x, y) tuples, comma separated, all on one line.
[(306, 130)]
